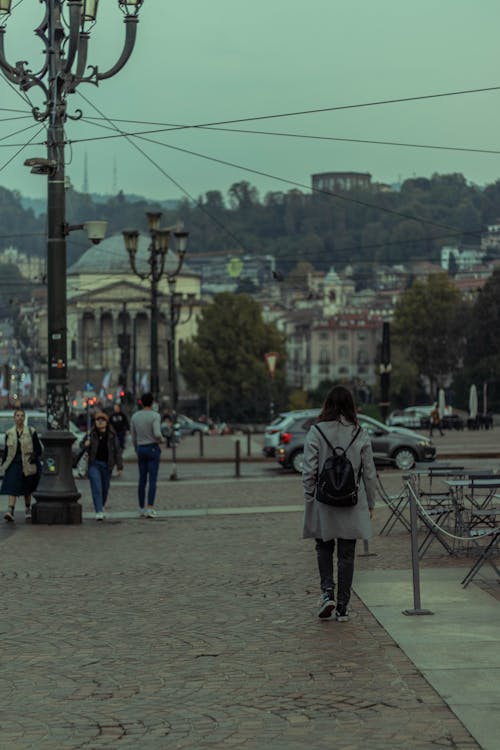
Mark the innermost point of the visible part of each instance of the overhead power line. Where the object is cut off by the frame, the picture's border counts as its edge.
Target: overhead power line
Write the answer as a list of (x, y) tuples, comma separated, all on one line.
[(318, 110)]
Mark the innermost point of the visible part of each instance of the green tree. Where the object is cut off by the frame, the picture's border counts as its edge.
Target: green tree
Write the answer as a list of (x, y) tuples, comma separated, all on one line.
[(428, 326), (226, 359)]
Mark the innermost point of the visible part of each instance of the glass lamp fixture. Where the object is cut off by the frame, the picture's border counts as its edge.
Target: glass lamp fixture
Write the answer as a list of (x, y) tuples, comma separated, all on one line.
[(89, 9), (5, 7), (182, 241), (131, 239), (130, 7), (162, 239), (154, 218)]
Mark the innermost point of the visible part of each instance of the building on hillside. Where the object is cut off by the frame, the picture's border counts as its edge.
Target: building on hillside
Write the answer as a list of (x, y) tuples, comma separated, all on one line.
[(342, 348), (341, 181), (491, 238), (463, 259), (106, 300), (225, 272), (30, 266)]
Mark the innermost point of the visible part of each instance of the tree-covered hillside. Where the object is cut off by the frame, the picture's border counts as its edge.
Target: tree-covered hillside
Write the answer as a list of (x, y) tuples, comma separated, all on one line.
[(323, 229)]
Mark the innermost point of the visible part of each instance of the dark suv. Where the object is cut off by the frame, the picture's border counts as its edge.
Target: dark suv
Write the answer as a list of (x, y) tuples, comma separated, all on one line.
[(395, 446)]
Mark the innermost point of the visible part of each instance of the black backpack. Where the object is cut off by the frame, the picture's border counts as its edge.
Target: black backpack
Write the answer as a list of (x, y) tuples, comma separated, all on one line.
[(337, 482)]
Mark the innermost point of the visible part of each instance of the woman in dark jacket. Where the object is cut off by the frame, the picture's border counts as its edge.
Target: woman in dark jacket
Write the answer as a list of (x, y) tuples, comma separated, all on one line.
[(333, 526), (21, 464), (104, 453)]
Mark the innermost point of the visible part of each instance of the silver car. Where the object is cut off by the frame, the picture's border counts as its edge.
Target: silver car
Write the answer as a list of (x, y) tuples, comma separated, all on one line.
[(273, 431), (395, 446)]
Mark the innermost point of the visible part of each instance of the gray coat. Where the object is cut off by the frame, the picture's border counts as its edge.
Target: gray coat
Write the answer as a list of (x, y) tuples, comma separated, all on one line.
[(322, 521)]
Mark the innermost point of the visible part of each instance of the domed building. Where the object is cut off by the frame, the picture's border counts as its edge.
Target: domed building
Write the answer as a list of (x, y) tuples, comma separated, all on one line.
[(109, 317)]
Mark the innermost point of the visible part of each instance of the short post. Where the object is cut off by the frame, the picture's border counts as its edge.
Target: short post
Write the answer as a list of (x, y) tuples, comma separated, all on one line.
[(237, 458), (201, 444), (249, 437), (417, 609), (366, 550)]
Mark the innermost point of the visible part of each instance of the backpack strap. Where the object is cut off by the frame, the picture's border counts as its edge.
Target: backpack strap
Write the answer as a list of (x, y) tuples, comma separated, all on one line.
[(328, 442)]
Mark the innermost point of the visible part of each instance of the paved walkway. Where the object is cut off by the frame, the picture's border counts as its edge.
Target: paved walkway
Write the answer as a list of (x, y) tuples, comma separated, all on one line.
[(198, 630)]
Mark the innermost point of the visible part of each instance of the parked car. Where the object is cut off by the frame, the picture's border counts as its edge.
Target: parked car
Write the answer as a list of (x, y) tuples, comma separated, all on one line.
[(187, 426), (413, 417), (273, 431), (395, 446)]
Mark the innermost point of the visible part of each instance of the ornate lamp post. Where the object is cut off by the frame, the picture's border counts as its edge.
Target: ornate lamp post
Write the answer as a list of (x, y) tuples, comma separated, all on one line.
[(159, 261), (65, 33)]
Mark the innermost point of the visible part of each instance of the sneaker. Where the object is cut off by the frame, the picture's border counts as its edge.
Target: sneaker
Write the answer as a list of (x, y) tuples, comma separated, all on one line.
[(326, 605), (150, 513), (99, 516), (27, 514), (9, 515), (341, 614), (142, 513)]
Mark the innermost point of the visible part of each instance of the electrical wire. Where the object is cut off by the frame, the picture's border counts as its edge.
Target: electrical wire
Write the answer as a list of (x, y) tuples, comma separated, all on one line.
[(175, 182), (21, 149), (320, 191), (337, 108), (17, 132), (340, 196), (304, 136)]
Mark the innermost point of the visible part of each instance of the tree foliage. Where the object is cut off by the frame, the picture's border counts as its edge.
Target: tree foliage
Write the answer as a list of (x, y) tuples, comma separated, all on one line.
[(429, 327), (226, 359)]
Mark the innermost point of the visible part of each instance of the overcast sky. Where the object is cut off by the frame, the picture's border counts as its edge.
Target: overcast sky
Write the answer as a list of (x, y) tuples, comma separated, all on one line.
[(198, 62)]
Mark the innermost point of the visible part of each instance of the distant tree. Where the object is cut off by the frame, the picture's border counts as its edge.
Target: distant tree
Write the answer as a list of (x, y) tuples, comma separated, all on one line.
[(226, 359), (429, 327)]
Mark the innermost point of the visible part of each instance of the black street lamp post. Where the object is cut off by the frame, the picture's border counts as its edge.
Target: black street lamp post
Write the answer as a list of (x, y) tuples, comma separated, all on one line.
[(159, 266), (64, 32)]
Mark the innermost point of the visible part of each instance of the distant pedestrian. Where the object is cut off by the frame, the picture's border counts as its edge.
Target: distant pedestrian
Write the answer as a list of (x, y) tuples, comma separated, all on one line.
[(146, 437), (435, 422), (104, 454), (119, 421), (21, 462), (330, 525)]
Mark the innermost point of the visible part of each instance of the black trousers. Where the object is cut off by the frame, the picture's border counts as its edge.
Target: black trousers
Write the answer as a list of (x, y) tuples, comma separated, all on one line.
[(345, 566)]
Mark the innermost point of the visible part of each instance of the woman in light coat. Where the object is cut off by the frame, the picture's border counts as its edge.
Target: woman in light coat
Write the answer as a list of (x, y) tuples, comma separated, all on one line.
[(22, 452), (327, 524)]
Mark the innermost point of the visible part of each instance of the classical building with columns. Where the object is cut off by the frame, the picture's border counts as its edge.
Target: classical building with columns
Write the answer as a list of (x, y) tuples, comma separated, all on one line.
[(108, 317)]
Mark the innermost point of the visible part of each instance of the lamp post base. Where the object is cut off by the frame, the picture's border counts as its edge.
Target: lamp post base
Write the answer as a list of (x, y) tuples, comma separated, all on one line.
[(58, 512), (56, 495)]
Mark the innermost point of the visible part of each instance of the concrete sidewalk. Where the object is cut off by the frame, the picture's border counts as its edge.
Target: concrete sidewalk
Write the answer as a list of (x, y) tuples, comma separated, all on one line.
[(198, 630)]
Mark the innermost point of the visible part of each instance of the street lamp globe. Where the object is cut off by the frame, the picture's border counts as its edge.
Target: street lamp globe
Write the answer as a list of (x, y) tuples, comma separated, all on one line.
[(162, 239), (154, 218), (130, 7), (131, 239), (5, 7), (182, 241), (89, 9)]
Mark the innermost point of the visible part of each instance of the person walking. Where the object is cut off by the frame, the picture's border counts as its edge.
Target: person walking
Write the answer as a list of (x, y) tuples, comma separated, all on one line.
[(146, 437), (21, 461), (118, 420), (435, 422), (330, 526), (104, 453)]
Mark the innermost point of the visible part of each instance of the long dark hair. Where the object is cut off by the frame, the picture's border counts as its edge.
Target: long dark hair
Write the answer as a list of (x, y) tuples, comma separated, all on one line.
[(338, 403)]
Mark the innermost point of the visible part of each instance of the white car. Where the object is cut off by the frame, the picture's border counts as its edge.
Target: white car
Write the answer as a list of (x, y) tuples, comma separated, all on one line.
[(411, 417)]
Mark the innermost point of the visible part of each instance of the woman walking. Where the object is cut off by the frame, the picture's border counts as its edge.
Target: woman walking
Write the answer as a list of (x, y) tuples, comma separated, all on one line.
[(104, 453), (337, 526), (22, 452)]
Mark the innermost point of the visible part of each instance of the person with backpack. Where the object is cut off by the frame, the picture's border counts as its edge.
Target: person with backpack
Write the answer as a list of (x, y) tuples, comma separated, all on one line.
[(339, 481)]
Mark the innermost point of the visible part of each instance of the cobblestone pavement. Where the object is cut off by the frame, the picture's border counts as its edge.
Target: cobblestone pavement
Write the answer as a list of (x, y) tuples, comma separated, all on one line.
[(197, 633)]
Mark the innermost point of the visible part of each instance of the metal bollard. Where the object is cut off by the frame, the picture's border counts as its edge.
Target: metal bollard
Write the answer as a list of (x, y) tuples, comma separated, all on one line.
[(201, 444), (366, 550), (417, 609), (237, 459), (249, 437)]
